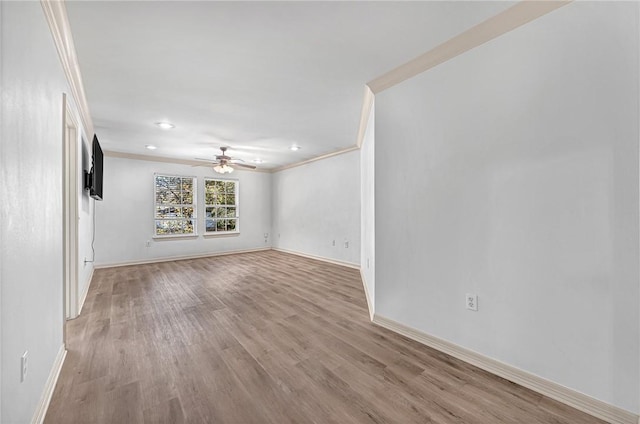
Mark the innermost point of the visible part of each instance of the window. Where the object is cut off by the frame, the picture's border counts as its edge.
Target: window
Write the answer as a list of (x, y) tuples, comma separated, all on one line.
[(175, 209), (221, 206)]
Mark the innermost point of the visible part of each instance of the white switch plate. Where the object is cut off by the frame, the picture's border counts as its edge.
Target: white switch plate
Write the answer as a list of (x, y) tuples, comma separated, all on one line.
[(471, 301), (24, 365)]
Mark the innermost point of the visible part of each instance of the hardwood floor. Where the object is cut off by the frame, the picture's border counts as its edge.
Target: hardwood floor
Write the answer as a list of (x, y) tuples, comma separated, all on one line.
[(264, 337)]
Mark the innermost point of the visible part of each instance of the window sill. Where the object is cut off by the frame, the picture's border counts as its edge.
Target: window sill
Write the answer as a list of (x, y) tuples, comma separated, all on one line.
[(175, 237), (221, 234)]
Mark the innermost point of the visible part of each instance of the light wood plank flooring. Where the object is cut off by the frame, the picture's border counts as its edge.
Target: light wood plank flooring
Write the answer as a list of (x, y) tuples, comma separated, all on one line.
[(264, 337)]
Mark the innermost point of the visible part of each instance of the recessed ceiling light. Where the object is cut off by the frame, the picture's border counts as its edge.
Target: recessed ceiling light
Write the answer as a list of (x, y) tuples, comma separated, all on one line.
[(150, 147), (294, 148), (257, 160), (165, 125)]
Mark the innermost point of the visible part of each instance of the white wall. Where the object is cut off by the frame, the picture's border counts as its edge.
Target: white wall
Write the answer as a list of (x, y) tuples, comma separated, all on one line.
[(31, 209), (85, 220), (517, 180), (2, 189), (317, 203), (124, 219), (367, 205)]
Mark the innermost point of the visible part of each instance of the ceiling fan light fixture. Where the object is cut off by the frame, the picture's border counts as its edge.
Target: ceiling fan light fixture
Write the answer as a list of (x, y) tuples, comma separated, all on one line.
[(150, 147), (223, 169), (295, 147)]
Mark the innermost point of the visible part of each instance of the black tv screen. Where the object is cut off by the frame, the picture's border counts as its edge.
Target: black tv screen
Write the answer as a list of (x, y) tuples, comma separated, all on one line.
[(95, 189)]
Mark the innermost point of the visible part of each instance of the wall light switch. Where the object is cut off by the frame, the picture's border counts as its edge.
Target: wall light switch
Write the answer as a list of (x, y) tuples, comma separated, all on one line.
[(24, 365)]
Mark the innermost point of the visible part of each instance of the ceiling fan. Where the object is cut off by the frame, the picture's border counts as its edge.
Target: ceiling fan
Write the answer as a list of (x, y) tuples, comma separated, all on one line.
[(224, 164)]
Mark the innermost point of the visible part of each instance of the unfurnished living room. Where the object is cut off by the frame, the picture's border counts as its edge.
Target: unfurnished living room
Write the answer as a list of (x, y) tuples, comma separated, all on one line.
[(320, 212)]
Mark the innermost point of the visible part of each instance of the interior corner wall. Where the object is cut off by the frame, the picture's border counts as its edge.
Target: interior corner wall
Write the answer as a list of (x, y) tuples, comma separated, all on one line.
[(367, 205), (316, 208), (518, 180), (31, 174), (125, 218)]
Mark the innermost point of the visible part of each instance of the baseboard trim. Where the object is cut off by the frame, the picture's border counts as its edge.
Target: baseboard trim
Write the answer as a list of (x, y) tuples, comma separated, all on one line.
[(319, 258), (366, 294), (49, 387), (178, 258), (83, 297), (577, 400)]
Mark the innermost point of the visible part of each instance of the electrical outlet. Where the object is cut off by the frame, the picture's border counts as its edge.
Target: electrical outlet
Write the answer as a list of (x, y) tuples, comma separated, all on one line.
[(471, 301), (24, 365)]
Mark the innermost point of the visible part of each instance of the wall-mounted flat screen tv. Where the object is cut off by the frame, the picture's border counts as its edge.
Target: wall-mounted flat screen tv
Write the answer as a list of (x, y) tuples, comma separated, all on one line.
[(95, 176)]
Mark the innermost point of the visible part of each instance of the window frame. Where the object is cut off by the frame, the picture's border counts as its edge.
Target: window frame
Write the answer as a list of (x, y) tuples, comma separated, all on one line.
[(206, 205), (194, 205)]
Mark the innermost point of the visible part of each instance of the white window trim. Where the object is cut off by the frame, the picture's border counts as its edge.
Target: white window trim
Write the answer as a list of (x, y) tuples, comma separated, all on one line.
[(209, 234), (195, 208), (214, 234), (173, 236)]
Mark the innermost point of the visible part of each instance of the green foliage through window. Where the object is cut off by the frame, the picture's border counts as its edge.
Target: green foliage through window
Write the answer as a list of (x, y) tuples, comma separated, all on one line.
[(221, 206), (175, 211)]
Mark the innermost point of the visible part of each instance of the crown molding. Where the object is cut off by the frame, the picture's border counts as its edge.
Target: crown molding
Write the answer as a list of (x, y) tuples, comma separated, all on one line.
[(56, 15), (317, 158), (150, 158), (510, 19), (165, 159), (367, 104)]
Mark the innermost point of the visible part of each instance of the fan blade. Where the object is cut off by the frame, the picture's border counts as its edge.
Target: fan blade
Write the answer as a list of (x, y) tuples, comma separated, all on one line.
[(242, 165), (237, 159), (209, 162)]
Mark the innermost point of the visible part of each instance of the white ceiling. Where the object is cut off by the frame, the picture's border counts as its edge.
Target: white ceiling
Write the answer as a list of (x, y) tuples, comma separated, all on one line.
[(255, 76)]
